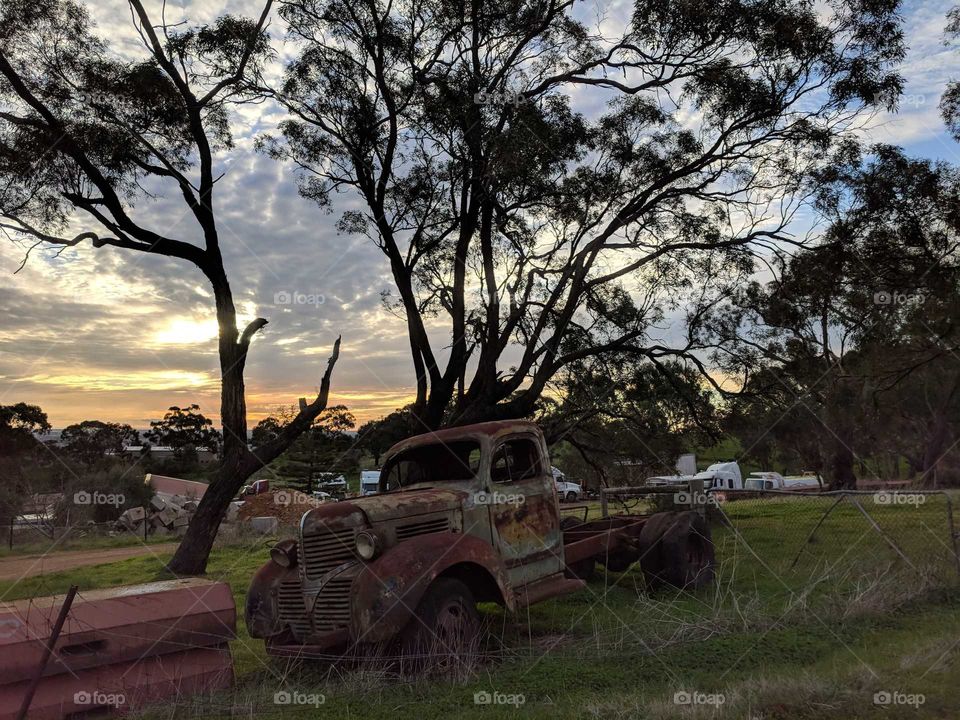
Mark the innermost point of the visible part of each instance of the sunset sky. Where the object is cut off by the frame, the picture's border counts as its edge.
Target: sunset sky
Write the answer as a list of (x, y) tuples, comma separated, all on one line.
[(104, 334)]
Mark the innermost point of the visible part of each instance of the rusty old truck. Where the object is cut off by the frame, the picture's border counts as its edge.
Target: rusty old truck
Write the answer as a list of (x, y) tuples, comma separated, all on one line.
[(463, 515)]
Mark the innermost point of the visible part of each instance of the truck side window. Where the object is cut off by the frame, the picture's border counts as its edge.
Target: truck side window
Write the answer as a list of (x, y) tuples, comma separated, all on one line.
[(515, 460)]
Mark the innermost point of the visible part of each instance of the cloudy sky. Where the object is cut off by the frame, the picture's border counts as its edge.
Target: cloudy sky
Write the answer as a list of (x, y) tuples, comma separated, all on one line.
[(122, 336)]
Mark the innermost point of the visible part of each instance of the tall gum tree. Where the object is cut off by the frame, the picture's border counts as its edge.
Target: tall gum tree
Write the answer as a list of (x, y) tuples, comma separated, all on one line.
[(85, 132), (540, 237)]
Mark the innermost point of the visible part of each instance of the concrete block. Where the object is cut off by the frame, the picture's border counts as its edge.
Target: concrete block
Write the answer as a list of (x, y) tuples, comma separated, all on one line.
[(265, 525)]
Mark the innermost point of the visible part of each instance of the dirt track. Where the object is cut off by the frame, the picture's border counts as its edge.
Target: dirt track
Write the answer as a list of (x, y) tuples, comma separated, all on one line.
[(13, 568)]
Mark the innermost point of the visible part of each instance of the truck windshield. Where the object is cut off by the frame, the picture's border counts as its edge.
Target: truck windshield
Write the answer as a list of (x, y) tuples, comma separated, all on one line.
[(437, 463)]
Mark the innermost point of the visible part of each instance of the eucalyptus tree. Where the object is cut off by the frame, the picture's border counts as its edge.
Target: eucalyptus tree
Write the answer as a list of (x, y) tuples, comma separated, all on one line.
[(546, 192), (86, 132), (851, 345), (950, 100)]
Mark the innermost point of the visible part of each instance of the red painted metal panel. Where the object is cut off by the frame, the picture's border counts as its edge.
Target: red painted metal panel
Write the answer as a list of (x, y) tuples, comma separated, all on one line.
[(123, 686), (115, 625), (176, 486)]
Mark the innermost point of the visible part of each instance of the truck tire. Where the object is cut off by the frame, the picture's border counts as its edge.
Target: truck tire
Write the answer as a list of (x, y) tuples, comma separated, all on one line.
[(571, 496), (445, 630), (678, 551), (650, 556)]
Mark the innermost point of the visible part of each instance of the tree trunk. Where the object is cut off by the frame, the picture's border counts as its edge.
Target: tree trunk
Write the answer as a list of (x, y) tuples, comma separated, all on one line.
[(238, 463), (194, 550), (842, 475), (933, 452)]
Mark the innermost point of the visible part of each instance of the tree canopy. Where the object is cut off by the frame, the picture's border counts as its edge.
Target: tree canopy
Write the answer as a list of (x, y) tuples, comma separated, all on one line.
[(538, 235), (91, 440), (89, 134), (852, 345)]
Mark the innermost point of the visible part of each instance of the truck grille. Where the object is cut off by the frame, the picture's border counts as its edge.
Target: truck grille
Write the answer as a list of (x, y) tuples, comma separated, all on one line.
[(292, 610), (322, 552), (332, 608), (423, 527)]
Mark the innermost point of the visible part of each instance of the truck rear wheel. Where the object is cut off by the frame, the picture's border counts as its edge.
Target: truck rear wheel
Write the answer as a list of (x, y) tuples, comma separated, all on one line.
[(678, 551), (444, 632)]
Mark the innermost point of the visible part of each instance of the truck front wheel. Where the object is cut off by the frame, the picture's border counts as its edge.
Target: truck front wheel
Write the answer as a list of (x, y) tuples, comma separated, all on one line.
[(444, 632)]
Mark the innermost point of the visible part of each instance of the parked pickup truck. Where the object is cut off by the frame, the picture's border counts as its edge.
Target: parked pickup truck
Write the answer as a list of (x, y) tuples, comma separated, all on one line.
[(463, 515)]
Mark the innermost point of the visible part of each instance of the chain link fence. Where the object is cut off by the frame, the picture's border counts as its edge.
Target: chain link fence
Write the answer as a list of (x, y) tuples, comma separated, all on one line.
[(802, 540), (807, 546)]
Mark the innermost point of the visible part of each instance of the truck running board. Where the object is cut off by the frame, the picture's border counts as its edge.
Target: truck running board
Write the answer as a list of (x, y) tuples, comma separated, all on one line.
[(549, 587)]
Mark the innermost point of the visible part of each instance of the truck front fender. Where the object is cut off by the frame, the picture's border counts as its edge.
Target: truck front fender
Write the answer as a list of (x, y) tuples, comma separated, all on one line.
[(262, 612), (388, 590)]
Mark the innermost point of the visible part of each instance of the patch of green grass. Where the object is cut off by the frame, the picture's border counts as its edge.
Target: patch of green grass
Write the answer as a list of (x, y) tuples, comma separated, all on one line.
[(79, 541), (815, 639)]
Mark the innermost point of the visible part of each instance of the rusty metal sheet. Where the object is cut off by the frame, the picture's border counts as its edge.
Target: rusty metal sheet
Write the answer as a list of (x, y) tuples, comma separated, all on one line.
[(377, 508), (122, 686), (388, 590), (115, 624), (480, 431)]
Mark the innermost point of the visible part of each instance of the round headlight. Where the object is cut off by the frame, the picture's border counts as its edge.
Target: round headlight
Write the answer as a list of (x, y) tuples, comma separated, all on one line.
[(284, 553), (368, 545)]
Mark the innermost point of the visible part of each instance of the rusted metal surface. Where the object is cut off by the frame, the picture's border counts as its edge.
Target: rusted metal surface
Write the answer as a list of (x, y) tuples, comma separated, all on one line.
[(262, 611), (130, 645), (553, 586), (115, 624), (482, 432), (122, 686), (48, 649), (598, 538), (388, 590), (357, 512)]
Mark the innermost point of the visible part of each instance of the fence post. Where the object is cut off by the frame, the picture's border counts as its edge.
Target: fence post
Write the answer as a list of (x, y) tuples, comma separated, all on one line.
[(698, 499), (603, 502), (953, 531)]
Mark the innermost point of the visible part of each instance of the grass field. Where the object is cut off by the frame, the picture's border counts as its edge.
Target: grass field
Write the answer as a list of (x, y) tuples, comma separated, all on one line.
[(860, 613)]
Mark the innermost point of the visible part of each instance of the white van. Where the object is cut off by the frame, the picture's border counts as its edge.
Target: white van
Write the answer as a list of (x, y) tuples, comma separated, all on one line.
[(369, 482)]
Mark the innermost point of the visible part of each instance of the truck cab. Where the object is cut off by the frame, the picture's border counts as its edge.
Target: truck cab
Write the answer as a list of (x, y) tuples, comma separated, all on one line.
[(475, 502), (721, 476), (369, 482)]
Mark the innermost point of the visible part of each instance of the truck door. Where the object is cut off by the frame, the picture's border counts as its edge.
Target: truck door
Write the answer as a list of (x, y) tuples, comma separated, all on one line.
[(524, 513)]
